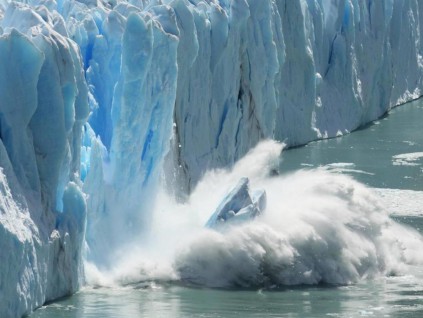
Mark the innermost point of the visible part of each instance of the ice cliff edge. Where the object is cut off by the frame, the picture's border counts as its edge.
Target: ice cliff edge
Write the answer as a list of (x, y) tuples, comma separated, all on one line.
[(42, 208)]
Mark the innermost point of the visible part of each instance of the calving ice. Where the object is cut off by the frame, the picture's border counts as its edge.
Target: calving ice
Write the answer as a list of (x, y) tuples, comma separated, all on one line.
[(102, 104), (238, 206)]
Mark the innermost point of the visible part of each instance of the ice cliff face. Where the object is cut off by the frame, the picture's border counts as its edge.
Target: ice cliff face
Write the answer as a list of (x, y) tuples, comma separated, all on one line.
[(175, 86), (290, 70), (42, 209)]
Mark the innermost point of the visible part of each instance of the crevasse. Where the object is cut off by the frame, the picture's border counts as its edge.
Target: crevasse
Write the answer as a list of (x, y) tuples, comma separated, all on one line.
[(100, 99)]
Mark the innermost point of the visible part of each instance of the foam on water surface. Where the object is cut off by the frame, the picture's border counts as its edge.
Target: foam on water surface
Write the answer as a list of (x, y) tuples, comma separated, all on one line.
[(318, 227), (408, 159), (402, 202)]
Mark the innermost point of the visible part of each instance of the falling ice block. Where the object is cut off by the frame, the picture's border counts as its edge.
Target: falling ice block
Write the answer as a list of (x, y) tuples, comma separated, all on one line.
[(238, 206)]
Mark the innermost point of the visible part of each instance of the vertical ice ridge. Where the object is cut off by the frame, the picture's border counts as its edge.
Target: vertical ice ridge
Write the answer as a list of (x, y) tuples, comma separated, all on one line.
[(43, 105), (142, 116)]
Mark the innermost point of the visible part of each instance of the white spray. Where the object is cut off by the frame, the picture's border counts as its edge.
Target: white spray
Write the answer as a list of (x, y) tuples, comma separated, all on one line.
[(318, 227)]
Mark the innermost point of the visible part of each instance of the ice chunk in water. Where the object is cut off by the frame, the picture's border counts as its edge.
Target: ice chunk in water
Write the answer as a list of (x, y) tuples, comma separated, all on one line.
[(238, 206)]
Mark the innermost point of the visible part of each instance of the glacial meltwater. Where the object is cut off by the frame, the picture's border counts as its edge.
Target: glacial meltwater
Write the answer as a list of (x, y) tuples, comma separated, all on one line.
[(386, 156)]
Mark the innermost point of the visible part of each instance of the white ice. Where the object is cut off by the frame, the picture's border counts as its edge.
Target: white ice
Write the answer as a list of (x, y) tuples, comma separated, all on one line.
[(238, 206)]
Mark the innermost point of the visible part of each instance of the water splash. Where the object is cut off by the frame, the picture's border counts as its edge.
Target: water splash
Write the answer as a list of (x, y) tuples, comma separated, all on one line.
[(319, 227)]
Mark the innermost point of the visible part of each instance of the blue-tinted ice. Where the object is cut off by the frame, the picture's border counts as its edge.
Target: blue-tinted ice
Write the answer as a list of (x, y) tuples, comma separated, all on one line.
[(238, 206)]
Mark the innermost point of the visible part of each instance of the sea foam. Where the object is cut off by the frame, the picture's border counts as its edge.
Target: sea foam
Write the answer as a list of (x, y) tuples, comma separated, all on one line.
[(319, 227)]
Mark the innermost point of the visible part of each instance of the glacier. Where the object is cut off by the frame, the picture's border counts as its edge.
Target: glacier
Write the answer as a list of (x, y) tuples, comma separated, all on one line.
[(101, 102), (43, 210)]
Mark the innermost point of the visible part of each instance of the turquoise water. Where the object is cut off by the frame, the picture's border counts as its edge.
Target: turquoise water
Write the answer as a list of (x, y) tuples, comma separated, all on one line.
[(387, 297), (385, 156), (379, 155)]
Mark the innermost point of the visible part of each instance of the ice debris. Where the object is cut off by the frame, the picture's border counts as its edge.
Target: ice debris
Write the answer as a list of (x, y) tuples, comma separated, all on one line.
[(238, 206)]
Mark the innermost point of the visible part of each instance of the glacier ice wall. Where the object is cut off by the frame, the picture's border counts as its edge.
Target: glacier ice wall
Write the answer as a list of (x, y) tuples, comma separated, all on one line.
[(171, 87), (42, 208), (141, 116), (290, 70)]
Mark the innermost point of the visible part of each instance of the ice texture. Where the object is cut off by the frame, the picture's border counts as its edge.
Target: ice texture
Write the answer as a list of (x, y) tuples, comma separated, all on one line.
[(110, 96), (289, 70), (238, 206), (141, 118), (42, 210)]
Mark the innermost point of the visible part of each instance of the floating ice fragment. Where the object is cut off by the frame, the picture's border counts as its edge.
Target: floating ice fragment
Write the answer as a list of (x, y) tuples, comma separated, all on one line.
[(238, 206), (407, 159)]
